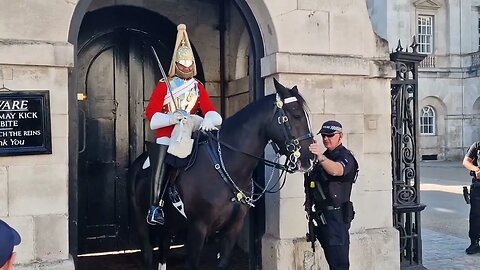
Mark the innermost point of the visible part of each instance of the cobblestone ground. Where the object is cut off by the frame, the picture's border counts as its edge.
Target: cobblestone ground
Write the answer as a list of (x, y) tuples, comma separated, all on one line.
[(444, 252)]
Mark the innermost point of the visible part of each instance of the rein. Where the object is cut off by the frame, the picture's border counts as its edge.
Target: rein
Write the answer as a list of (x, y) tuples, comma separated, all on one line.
[(264, 161), (292, 145)]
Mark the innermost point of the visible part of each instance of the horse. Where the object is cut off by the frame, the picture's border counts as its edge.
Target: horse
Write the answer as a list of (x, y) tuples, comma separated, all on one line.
[(217, 197)]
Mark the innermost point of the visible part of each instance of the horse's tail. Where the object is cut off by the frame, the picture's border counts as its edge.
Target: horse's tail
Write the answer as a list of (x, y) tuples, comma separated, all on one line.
[(136, 188)]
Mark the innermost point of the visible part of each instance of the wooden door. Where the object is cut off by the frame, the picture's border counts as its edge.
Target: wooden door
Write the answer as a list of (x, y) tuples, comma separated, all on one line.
[(117, 74)]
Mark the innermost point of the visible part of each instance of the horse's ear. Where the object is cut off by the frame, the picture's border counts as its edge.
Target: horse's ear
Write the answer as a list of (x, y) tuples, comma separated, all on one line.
[(281, 90), (277, 84), (295, 90)]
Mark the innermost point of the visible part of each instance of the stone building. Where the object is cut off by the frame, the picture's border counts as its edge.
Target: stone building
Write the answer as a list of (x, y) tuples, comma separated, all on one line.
[(449, 83), (73, 200)]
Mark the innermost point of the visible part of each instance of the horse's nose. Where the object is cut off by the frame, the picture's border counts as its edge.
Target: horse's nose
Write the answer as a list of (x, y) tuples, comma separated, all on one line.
[(303, 167)]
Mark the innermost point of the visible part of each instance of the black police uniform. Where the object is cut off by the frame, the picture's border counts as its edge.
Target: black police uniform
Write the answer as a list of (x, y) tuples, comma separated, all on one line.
[(334, 236), (474, 220)]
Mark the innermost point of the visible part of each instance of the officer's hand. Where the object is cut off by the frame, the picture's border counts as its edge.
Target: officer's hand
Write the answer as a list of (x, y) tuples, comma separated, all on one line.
[(315, 149), (477, 174)]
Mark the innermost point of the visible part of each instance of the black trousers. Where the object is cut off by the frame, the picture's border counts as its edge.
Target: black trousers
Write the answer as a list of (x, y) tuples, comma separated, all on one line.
[(335, 240), (474, 220)]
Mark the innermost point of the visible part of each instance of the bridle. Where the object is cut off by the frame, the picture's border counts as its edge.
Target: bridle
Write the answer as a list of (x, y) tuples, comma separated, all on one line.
[(292, 144)]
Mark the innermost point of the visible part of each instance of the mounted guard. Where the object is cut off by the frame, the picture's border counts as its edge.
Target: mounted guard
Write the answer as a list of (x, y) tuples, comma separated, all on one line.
[(224, 168), (172, 113)]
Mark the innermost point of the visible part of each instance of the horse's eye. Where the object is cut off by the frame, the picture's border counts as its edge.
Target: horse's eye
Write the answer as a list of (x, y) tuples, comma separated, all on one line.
[(296, 113)]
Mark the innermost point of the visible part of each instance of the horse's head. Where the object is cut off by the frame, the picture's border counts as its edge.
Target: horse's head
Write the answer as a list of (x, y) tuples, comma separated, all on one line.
[(290, 128)]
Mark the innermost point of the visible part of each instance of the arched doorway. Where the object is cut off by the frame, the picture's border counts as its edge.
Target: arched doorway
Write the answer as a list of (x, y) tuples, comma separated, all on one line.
[(116, 70)]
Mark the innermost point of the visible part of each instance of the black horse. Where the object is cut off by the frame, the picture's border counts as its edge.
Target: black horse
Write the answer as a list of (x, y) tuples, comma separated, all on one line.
[(211, 204)]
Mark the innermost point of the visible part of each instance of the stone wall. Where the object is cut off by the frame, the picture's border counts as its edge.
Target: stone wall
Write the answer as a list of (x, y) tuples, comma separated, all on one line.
[(34, 188)]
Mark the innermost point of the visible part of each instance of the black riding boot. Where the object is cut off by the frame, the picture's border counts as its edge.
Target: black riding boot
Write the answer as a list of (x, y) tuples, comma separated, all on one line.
[(156, 154)]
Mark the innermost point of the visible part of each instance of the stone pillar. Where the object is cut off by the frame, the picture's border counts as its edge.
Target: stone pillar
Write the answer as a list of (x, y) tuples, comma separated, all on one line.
[(329, 50), (34, 55)]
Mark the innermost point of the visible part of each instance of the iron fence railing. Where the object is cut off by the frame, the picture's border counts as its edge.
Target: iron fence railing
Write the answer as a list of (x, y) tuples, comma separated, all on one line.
[(405, 166)]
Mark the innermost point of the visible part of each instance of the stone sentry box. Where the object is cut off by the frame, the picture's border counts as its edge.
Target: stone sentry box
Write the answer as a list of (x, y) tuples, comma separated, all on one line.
[(25, 123)]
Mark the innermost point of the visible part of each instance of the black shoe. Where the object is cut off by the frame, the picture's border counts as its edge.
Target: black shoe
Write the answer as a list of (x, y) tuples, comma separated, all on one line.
[(155, 216), (472, 249)]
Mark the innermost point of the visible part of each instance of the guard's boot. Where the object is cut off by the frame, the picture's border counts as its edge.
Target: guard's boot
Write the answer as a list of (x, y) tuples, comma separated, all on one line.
[(156, 154), (473, 248)]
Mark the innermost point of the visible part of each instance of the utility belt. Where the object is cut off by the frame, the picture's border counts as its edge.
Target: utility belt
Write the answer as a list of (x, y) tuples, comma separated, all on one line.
[(331, 208), (348, 212)]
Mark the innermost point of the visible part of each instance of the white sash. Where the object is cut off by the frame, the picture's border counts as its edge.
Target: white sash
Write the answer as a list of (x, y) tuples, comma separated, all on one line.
[(178, 90)]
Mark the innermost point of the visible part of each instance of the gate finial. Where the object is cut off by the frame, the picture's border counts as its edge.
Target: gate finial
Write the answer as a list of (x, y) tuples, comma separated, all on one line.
[(414, 44), (399, 47)]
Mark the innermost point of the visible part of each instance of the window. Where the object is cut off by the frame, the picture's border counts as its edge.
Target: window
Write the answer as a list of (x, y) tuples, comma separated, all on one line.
[(425, 34), (427, 121)]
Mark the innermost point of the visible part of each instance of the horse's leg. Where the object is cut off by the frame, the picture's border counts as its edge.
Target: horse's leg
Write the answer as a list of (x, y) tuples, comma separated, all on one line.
[(143, 231), (163, 249), (146, 246), (136, 190), (196, 234), (228, 238)]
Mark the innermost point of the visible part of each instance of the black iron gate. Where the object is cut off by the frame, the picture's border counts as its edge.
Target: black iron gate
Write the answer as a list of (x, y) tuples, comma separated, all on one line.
[(405, 167)]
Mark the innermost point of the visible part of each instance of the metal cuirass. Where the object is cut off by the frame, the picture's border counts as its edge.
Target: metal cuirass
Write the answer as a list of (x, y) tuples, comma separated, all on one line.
[(185, 94)]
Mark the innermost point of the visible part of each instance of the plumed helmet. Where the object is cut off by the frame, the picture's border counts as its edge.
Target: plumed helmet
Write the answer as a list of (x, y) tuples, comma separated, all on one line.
[(183, 53)]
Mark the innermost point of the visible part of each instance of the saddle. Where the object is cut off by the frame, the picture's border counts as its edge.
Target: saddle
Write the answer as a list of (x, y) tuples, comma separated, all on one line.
[(187, 162), (176, 164)]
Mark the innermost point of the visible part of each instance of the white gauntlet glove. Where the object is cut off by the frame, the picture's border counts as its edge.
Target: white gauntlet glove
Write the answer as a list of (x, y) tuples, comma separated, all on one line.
[(177, 116), (211, 120), (160, 120), (207, 125)]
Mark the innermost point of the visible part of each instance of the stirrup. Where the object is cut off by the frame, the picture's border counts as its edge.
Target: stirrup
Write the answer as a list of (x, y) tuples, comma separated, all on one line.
[(155, 216)]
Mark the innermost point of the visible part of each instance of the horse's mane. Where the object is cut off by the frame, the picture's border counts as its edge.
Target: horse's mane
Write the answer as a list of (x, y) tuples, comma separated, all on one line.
[(265, 103)]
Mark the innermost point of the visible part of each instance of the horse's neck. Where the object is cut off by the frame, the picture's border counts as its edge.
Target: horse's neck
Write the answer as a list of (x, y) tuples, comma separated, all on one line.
[(247, 136), (246, 130)]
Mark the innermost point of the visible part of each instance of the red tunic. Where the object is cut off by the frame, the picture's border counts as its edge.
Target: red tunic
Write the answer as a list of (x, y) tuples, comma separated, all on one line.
[(156, 105)]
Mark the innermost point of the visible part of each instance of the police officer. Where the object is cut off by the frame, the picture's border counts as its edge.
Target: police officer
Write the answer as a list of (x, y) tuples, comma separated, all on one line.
[(470, 162), (9, 238), (340, 170)]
